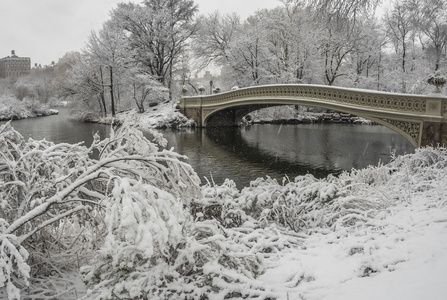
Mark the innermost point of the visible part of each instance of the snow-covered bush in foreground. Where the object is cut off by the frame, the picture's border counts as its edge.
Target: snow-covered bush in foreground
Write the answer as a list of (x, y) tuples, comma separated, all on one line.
[(47, 190), (153, 250), (304, 205), (121, 215), (308, 204)]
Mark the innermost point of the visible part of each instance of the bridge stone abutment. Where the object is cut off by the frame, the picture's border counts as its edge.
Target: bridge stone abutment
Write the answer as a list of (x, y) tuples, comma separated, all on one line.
[(422, 119), (434, 134), (434, 126)]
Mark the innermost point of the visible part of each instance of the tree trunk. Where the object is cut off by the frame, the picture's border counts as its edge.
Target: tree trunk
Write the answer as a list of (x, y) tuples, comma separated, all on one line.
[(102, 102), (111, 92)]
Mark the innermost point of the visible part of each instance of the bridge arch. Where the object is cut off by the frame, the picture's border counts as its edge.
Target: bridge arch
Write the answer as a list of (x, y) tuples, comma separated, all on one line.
[(420, 119), (238, 112)]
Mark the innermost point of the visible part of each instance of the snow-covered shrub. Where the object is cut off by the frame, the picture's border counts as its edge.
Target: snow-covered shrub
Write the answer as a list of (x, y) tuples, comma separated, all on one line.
[(14, 271), (47, 188), (435, 158), (11, 108), (218, 203), (418, 173), (297, 205), (167, 118), (170, 120), (352, 198), (304, 205), (198, 261), (36, 183), (144, 225), (154, 250)]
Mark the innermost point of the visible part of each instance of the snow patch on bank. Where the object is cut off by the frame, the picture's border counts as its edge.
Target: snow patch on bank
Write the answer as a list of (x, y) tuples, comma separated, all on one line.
[(404, 256), (164, 115)]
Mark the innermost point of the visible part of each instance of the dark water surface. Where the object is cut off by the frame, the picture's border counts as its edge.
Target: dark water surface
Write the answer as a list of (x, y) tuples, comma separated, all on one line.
[(246, 153), (59, 128)]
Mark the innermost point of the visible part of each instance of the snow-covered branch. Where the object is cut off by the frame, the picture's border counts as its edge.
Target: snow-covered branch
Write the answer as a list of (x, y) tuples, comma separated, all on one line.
[(43, 184)]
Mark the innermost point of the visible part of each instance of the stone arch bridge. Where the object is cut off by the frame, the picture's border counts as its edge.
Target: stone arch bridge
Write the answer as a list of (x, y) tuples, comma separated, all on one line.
[(422, 119)]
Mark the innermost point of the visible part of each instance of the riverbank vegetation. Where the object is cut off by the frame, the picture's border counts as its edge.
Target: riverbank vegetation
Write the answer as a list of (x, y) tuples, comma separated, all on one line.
[(11, 109), (136, 224), (25, 97)]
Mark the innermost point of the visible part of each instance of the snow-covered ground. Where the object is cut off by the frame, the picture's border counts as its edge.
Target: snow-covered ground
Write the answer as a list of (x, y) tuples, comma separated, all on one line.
[(377, 233), (400, 254), (164, 115)]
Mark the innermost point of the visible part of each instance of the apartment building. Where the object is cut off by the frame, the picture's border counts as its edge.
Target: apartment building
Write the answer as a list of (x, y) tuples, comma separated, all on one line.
[(14, 66)]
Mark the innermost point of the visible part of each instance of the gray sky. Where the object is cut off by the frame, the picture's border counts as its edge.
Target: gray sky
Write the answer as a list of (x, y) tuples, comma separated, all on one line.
[(46, 29)]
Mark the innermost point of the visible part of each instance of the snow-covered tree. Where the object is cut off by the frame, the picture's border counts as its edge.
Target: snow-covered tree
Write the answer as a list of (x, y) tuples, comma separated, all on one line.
[(157, 32), (248, 53), (106, 51), (212, 40), (365, 59), (340, 9), (430, 17), (144, 89)]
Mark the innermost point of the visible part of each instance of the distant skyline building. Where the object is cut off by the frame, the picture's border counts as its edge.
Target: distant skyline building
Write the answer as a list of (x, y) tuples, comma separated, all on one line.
[(14, 66)]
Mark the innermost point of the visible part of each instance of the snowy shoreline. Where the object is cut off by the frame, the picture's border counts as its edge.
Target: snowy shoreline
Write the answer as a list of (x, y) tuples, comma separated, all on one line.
[(27, 115), (12, 109)]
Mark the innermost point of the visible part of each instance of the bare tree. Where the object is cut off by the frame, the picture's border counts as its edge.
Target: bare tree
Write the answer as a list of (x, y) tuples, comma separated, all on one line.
[(212, 41), (430, 17), (157, 31), (336, 9), (248, 51), (399, 28)]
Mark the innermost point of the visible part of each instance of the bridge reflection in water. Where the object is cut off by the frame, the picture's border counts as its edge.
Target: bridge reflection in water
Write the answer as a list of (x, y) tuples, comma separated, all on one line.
[(246, 153)]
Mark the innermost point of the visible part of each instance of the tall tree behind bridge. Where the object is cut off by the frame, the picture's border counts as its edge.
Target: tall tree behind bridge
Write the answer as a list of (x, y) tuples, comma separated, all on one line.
[(157, 31), (430, 17), (212, 40)]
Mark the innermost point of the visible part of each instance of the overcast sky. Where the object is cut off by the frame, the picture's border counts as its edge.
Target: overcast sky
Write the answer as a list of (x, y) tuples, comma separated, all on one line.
[(47, 29)]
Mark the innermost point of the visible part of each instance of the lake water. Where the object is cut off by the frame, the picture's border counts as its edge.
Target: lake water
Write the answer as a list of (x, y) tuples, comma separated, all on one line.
[(246, 153)]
